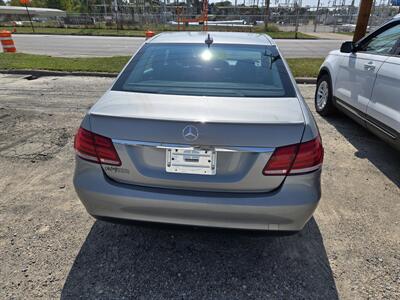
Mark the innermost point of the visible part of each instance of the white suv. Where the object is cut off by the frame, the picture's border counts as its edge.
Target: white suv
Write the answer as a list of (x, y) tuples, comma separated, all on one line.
[(363, 81)]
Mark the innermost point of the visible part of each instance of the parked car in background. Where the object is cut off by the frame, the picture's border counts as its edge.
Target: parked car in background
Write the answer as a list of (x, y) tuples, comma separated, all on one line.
[(205, 130), (363, 80)]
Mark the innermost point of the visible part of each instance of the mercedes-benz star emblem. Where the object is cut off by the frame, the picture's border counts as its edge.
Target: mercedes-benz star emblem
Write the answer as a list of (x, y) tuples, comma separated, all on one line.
[(190, 133)]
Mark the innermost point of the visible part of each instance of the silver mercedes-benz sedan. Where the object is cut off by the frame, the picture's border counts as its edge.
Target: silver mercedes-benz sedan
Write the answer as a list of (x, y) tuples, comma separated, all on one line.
[(204, 129)]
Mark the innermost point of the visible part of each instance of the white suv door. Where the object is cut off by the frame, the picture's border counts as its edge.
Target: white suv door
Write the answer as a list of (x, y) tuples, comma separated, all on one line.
[(384, 106), (357, 71)]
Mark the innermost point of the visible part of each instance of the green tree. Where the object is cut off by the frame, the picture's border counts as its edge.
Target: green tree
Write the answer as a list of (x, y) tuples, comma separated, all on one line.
[(67, 5), (54, 4), (14, 3), (39, 3), (2, 2), (223, 3)]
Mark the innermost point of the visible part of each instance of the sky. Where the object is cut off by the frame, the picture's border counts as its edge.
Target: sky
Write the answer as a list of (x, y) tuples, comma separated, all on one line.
[(312, 3), (305, 2), (275, 2)]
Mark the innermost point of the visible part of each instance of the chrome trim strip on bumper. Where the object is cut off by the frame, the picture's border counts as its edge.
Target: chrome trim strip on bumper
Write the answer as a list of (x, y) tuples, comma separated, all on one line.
[(186, 146), (305, 170)]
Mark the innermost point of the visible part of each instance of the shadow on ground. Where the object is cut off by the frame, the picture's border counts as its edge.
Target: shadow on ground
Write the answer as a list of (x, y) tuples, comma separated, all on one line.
[(380, 154), (171, 262)]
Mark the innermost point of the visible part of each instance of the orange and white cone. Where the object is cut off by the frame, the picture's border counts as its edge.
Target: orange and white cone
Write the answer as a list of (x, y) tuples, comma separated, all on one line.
[(7, 41)]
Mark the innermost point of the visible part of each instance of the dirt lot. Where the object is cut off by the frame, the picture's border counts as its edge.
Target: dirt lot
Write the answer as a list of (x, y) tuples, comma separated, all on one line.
[(51, 248)]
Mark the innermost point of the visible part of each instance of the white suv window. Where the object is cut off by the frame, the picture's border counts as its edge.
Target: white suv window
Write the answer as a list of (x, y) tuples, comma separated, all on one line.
[(384, 42)]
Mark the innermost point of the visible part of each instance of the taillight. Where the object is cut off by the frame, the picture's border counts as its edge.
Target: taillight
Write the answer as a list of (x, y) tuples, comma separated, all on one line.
[(96, 148), (296, 159), (281, 161), (309, 157)]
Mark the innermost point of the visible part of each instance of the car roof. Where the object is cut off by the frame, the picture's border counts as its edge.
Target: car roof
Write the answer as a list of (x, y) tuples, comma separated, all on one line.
[(194, 37)]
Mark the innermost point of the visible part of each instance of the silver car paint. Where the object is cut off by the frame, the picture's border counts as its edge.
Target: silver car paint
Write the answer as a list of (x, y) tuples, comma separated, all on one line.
[(287, 209), (199, 109), (238, 170), (128, 196)]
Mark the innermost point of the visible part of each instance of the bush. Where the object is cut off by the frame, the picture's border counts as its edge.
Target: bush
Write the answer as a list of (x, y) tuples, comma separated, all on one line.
[(271, 28), (262, 28)]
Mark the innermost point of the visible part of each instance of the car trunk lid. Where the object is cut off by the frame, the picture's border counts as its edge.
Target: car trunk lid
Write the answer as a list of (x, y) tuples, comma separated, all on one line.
[(243, 131)]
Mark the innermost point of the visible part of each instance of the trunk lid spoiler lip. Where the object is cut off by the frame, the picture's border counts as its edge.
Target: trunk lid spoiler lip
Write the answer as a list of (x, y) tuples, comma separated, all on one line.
[(188, 120), (179, 108)]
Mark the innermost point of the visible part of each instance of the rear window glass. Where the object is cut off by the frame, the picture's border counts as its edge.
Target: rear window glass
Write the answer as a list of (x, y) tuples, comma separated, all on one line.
[(195, 69)]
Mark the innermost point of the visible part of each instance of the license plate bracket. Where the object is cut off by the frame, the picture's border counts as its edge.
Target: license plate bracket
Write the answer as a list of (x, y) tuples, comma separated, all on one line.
[(191, 161)]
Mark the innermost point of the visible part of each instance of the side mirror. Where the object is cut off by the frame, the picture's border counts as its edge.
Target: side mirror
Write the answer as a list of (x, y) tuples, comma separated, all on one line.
[(347, 47)]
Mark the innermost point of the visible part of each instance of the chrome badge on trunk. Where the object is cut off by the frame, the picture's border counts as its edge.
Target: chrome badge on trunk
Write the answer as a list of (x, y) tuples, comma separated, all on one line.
[(190, 133)]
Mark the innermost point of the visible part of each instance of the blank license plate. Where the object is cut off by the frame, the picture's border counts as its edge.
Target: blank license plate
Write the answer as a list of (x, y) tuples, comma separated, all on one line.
[(191, 161)]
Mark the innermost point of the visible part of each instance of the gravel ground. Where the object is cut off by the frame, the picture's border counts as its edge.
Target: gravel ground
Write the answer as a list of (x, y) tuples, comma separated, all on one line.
[(51, 248)]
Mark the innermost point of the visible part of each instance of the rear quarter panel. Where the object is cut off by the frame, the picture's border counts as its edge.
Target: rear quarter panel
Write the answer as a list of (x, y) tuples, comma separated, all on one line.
[(310, 126)]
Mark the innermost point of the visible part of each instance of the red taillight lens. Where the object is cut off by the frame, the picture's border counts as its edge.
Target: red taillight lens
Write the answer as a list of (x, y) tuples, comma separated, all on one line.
[(309, 158), (281, 161), (95, 148), (296, 159), (84, 145)]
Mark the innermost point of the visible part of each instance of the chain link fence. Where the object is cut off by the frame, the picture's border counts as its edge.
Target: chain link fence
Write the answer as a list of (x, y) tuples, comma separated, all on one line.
[(295, 18)]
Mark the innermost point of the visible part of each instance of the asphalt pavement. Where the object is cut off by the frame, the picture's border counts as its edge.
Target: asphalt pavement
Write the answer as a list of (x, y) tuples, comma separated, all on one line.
[(62, 45)]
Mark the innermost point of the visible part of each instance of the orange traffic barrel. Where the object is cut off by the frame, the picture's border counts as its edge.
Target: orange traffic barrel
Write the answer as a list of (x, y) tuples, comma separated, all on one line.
[(149, 34), (7, 41)]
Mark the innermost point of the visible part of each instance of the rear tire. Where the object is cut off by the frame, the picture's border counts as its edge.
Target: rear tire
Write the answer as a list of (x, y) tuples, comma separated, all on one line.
[(323, 99)]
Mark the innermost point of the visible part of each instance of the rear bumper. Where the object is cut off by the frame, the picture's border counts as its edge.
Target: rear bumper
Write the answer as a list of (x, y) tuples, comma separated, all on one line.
[(287, 209)]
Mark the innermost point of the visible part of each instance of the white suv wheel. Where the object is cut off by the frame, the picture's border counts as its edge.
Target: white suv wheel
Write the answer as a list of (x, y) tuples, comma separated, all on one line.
[(322, 95)]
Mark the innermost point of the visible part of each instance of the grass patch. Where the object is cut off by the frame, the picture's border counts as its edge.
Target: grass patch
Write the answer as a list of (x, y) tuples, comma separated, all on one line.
[(301, 67), (305, 67), (79, 31), (18, 61), (290, 35), (141, 32), (347, 33)]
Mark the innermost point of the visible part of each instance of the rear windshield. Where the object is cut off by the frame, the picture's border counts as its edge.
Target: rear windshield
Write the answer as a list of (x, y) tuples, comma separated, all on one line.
[(195, 69)]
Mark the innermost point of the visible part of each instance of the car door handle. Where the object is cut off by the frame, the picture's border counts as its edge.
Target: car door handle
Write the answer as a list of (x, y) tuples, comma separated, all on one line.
[(369, 67)]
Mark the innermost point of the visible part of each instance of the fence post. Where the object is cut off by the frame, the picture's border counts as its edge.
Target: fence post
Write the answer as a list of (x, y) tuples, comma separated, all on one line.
[(266, 18), (335, 24), (297, 21), (316, 16)]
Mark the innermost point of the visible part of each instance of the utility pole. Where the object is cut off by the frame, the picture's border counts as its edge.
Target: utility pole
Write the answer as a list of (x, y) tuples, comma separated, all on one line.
[(334, 16), (297, 19), (373, 12), (316, 16), (236, 7), (266, 18), (115, 8), (25, 3), (351, 10), (104, 8), (362, 19), (165, 12)]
